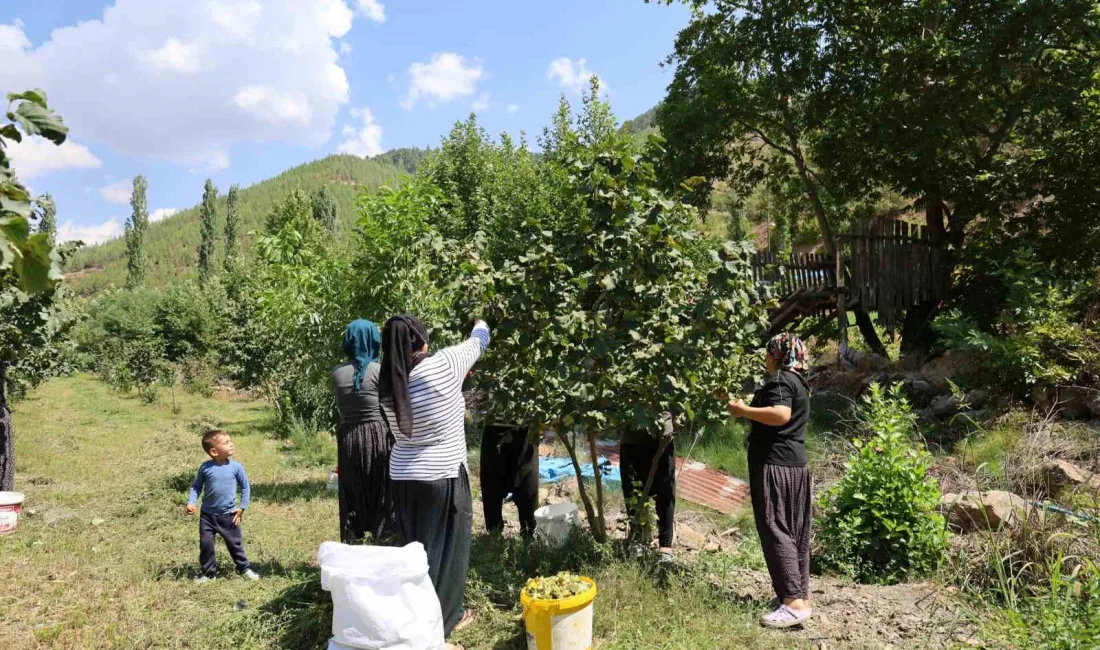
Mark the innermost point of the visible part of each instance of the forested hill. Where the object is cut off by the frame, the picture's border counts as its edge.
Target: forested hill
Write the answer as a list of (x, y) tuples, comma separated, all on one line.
[(644, 124), (172, 244)]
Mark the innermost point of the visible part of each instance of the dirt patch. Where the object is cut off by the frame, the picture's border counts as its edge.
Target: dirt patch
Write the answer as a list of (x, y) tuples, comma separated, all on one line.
[(84, 272), (846, 615)]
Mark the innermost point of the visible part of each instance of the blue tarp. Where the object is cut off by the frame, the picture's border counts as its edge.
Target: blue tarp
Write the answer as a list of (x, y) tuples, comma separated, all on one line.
[(552, 470)]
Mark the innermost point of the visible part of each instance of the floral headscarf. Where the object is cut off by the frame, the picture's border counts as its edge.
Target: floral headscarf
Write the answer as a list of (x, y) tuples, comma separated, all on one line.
[(790, 352)]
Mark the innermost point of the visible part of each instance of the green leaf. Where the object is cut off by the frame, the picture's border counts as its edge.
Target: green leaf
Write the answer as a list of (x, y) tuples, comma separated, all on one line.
[(36, 119), (10, 132), (37, 95)]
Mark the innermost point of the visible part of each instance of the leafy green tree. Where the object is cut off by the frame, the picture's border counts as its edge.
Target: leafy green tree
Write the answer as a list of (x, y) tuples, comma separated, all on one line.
[(30, 257), (616, 310), (944, 101), (46, 213), (401, 254), (325, 210), (231, 219), (30, 265), (136, 227), (299, 304), (742, 103), (208, 217)]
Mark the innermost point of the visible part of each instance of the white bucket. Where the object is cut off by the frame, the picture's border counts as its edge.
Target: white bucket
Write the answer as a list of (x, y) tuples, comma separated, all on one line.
[(553, 524), (11, 503)]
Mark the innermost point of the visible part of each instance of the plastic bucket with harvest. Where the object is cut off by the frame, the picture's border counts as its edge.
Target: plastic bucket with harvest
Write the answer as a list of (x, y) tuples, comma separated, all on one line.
[(11, 503), (562, 624)]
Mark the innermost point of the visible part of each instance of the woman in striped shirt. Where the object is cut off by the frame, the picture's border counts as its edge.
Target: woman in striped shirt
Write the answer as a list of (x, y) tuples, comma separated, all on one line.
[(421, 398)]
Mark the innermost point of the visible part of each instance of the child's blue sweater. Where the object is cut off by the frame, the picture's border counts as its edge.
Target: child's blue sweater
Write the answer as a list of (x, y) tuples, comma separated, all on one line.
[(218, 485)]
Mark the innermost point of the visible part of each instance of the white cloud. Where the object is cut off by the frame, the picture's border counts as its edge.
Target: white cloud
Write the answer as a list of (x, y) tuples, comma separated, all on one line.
[(165, 79), (373, 10), (268, 104), (365, 141), (481, 104), (162, 213), (512, 108), (238, 19), (90, 234), (572, 75), (345, 48), (173, 56), (447, 77), (35, 156), (118, 192)]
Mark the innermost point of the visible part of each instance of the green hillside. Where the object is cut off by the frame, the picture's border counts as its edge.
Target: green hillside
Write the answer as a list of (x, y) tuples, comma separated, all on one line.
[(171, 244)]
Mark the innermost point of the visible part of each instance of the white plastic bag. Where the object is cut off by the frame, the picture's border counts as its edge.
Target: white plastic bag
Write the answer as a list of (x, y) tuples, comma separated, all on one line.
[(382, 597), (553, 524)]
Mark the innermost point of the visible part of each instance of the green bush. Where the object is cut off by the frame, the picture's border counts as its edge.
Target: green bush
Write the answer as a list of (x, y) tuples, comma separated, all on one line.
[(1026, 323), (880, 523)]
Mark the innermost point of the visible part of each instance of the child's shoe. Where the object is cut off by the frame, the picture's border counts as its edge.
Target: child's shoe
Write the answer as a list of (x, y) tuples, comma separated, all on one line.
[(201, 580), (249, 574)]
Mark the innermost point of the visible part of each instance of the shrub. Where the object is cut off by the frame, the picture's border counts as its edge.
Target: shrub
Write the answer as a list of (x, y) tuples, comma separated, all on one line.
[(1030, 326), (880, 523)]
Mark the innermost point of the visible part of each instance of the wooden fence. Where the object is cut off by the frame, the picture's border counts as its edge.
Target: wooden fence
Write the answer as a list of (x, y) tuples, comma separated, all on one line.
[(889, 266)]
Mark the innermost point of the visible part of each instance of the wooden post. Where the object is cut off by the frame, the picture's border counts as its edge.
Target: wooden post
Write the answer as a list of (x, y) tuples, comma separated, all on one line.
[(841, 305)]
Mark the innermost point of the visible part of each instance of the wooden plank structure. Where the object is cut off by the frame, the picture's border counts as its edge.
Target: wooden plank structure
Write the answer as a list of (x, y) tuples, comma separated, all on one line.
[(884, 266)]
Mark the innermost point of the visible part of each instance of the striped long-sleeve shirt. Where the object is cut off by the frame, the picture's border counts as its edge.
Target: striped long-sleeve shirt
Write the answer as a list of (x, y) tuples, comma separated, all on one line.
[(437, 446)]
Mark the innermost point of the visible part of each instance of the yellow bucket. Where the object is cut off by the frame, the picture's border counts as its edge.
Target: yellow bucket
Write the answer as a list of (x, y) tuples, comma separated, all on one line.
[(563, 624)]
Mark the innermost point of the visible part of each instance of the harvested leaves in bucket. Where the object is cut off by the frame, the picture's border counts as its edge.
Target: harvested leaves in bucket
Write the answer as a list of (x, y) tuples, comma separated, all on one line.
[(563, 585)]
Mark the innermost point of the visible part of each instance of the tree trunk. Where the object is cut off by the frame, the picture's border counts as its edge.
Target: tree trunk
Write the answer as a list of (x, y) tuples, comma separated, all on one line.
[(869, 333), (600, 534), (7, 436), (599, 481), (815, 199)]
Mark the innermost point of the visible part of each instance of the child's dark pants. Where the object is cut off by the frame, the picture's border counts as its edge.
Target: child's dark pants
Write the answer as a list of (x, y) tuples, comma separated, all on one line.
[(222, 525)]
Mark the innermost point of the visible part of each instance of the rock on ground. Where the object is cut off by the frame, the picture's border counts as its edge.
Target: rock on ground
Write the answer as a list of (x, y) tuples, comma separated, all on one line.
[(973, 511)]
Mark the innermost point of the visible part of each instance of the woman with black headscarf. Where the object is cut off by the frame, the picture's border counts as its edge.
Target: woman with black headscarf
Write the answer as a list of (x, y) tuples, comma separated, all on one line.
[(779, 478), (422, 400), (363, 440)]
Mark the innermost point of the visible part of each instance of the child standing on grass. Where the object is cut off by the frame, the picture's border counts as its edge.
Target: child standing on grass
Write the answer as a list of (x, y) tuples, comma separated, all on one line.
[(217, 481)]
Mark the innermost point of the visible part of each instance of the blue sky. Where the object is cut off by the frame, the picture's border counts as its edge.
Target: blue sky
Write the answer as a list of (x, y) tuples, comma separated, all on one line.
[(239, 90)]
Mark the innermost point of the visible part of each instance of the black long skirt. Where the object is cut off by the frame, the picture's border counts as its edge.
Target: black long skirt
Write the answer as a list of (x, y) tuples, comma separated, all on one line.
[(439, 515), (366, 496)]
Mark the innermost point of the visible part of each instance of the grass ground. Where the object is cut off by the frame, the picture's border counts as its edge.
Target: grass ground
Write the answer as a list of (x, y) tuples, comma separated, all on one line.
[(104, 556)]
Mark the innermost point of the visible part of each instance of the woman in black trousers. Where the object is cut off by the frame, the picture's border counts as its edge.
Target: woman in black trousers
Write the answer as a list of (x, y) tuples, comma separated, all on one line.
[(779, 478), (509, 465)]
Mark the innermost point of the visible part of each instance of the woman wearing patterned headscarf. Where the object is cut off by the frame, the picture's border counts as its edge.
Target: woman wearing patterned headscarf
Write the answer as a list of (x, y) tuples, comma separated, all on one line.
[(779, 479), (363, 440)]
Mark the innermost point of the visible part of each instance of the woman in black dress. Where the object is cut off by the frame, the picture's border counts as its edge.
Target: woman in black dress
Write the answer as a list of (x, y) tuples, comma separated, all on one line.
[(779, 478), (363, 439)]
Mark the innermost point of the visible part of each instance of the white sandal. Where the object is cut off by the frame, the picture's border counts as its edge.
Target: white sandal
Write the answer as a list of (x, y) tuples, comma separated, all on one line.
[(785, 617)]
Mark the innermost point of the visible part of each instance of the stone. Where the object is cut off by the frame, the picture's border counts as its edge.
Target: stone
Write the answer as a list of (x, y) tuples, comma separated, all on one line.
[(974, 511), (945, 406), (976, 399), (689, 538), (1093, 403), (1060, 473), (921, 386)]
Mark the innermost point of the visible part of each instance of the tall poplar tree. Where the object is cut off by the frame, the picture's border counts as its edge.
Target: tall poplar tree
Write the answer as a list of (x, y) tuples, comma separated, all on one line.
[(207, 215), (325, 210), (47, 217), (137, 263), (231, 219)]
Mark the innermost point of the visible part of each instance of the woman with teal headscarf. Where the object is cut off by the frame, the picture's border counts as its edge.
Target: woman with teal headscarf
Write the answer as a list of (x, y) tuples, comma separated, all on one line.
[(363, 439)]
